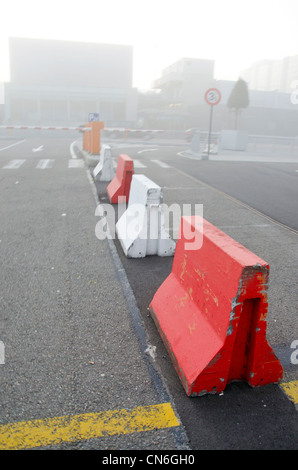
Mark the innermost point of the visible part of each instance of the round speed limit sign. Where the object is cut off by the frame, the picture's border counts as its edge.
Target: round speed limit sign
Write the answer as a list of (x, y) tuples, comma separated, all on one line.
[(212, 96)]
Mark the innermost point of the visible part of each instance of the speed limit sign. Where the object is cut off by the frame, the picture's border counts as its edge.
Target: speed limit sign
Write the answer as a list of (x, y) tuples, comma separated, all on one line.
[(212, 96)]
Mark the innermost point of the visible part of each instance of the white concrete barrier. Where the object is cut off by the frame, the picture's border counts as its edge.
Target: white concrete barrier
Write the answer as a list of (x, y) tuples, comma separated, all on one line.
[(141, 228), (104, 170)]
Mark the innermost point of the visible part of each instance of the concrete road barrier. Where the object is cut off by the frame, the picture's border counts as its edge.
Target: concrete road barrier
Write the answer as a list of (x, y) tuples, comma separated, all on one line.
[(211, 313), (104, 170), (141, 228), (119, 187)]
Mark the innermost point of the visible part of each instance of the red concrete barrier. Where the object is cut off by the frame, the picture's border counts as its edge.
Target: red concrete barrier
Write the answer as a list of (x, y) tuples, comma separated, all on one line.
[(211, 313), (119, 187)]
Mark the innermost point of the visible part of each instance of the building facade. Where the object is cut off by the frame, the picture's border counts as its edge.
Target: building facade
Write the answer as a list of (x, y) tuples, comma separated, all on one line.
[(53, 82), (182, 88), (272, 75), (268, 113)]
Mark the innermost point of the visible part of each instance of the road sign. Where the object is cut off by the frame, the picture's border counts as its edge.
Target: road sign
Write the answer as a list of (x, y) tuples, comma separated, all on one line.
[(93, 117), (212, 96)]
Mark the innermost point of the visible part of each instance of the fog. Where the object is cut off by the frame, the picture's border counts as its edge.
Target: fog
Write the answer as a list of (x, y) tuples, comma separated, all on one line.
[(126, 61)]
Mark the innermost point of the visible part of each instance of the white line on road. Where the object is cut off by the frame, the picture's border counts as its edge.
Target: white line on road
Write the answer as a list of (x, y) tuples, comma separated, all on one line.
[(13, 145), (75, 163), (138, 164), (161, 164), (72, 152), (14, 164), (45, 163), (148, 150)]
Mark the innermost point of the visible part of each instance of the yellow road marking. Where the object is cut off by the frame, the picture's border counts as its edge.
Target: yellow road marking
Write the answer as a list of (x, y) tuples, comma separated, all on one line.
[(291, 389), (44, 432)]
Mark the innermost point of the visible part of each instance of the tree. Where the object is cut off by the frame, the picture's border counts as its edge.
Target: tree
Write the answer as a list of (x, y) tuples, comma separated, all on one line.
[(238, 99)]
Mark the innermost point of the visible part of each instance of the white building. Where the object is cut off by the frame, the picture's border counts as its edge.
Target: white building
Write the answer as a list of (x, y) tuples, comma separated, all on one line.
[(270, 75), (62, 81), (185, 82)]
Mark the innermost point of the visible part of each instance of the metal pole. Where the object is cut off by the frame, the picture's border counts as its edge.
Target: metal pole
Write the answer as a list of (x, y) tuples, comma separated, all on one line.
[(210, 129)]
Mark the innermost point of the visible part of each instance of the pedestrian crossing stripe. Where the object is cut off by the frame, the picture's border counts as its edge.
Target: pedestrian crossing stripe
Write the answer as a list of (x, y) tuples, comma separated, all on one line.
[(14, 164), (161, 164), (43, 164), (47, 163), (139, 164), (75, 163), (51, 431)]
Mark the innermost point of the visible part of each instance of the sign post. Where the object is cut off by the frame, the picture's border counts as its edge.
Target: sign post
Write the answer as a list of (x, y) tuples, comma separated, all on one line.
[(212, 97), (93, 117)]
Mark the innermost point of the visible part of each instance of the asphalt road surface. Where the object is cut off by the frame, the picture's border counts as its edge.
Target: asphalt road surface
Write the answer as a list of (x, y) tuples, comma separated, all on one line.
[(244, 191), (271, 188), (63, 357)]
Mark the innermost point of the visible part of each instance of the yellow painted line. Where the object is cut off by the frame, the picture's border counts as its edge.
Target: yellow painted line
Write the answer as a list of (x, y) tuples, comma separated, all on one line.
[(49, 431), (291, 389)]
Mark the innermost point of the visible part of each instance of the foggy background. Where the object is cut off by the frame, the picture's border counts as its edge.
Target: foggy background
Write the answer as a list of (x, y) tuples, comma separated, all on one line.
[(148, 65)]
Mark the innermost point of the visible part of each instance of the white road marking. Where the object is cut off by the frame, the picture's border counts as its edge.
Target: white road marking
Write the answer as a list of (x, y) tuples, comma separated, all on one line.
[(14, 164), (44, 164), (75, 163), (38, 149), (161, 164), (13, 145), (138, 164), (148, 150), (71, 149)]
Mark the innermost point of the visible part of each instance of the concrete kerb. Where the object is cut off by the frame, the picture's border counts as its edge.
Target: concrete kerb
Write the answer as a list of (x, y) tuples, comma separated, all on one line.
[(91, 160)]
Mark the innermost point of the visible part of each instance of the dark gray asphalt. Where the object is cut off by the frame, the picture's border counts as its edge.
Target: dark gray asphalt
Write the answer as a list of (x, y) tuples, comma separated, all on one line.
[(71, 345), (66, 302), (271, 188), (242, 418)]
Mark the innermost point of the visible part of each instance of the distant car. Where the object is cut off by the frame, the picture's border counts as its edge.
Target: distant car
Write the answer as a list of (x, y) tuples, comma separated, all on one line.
[(189, 133)]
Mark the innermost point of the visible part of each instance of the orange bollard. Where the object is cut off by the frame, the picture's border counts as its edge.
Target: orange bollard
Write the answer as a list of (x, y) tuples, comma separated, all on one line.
[(86, 138), (211, 313), (120, 185), (96, 127), (91, 137)]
